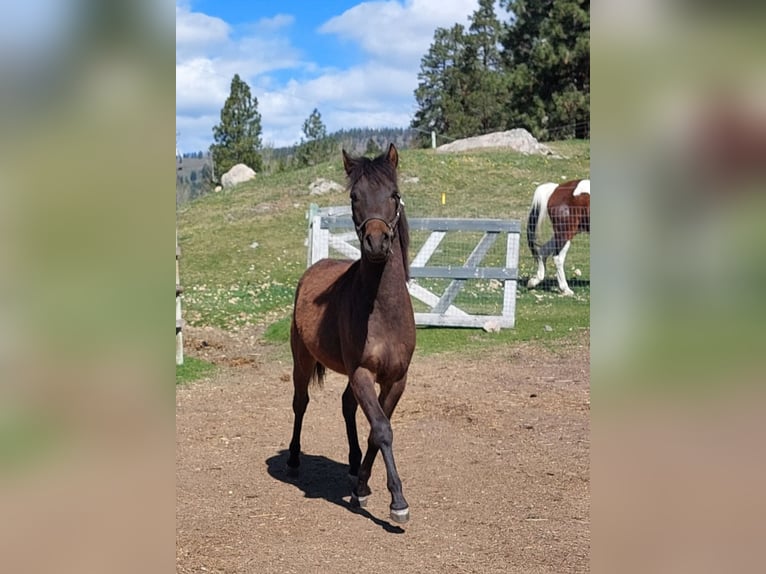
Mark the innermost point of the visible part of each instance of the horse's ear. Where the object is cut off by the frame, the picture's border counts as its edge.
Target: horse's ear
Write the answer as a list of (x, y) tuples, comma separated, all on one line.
[(393, 156), (347, 163)]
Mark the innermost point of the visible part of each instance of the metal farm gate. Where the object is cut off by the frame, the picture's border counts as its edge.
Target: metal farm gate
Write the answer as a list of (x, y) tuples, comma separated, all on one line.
[(436, 288)]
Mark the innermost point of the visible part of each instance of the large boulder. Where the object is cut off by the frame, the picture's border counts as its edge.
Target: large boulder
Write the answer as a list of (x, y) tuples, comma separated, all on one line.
[(321, 186), (517, 139), (240, 173)]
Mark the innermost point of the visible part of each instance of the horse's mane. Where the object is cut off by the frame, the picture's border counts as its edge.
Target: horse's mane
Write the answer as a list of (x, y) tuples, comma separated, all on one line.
[(380, 171)]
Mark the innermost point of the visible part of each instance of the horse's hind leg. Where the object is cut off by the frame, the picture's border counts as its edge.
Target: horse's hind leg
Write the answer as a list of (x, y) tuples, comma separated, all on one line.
[(543, 254), (349, 415), (303, 368), (559, 260), (381, 438)]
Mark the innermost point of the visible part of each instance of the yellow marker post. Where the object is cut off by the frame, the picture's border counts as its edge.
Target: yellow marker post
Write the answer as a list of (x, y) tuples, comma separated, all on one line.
[(444, 198)]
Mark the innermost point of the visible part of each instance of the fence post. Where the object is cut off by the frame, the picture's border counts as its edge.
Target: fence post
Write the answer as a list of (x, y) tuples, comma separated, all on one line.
[(433, 139), (179, 319)]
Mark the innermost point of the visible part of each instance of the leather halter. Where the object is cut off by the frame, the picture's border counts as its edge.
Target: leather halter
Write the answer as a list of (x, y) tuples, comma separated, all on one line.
[(392, 225)]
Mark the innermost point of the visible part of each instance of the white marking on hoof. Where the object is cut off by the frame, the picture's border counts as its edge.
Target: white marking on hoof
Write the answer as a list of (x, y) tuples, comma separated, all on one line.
[(567, 292), (400, 516), (533, 282), (360, 501)]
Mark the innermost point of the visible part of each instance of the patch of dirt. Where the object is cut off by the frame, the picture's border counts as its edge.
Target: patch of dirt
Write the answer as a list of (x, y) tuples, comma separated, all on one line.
[(224, 348), (493, 453)]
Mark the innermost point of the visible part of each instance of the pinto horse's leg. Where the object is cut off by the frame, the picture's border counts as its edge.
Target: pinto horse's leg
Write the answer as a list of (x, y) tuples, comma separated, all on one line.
[(349, 415), (543, 254), (559, 260), (378, 412), (303, 368)]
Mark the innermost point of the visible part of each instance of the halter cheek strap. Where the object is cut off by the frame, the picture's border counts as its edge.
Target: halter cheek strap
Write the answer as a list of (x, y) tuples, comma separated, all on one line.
[(390, 224)]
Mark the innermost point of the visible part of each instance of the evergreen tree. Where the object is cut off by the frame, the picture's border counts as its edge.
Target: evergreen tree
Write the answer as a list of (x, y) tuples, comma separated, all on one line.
[(463, 90), (372, 147), (547, 55), (206, 174), (238, 136), (486, 101), (439, 84), (315, 146), (531, 71)]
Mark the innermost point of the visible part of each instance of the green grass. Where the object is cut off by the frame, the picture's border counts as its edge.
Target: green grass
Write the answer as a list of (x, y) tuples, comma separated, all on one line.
[(278, 331), (243, 250), (193, 369)]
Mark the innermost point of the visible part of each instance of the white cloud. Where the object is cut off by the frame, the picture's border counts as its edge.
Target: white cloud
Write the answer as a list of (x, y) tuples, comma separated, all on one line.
[(200, 86), (375, 93), (197, 30), (276, 22), (391, 31)]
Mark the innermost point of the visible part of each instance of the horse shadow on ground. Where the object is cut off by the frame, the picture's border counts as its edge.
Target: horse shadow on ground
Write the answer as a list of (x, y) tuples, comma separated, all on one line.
[(550, 284), (320, 477)]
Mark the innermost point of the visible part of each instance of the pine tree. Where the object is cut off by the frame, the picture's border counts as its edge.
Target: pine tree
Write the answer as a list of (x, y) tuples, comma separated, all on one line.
[(238, 136), (486, 102), (547, 55), (531, 71), (439, 89), (463, 90), (372, 147), (315, 146)]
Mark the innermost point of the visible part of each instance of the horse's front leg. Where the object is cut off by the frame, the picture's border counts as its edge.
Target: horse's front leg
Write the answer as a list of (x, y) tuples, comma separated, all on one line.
[(349, 415), (378, 412)]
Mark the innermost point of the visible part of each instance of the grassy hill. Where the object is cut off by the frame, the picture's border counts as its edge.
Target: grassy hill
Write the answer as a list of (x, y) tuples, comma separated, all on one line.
[(243, 250)]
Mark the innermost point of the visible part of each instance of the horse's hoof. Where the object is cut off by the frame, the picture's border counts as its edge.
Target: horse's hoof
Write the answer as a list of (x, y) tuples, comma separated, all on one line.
[(359, 501), (400, 516)]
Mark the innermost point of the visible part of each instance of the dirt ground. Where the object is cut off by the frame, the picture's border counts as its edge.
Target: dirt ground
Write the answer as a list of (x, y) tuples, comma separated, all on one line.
[(493, 452)]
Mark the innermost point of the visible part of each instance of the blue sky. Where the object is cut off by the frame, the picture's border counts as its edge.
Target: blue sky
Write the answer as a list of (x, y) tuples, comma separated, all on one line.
[(356, 62)]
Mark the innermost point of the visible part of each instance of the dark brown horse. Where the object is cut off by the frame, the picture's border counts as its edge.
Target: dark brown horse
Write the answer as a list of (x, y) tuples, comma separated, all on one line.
[(568, 207), (356, 318)]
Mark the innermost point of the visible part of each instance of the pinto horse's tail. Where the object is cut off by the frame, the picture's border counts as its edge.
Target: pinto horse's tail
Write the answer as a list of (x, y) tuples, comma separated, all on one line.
[(537, 214)]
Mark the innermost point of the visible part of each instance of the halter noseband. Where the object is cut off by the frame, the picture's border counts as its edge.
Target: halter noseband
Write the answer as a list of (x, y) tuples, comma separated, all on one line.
[(391, 225)]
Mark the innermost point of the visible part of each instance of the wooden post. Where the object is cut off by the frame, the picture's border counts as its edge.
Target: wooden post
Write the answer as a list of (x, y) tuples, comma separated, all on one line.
[(179, 319), (433, 139)]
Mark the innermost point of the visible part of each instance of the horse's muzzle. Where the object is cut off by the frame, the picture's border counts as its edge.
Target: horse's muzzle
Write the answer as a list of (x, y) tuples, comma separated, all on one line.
[(376, 240)]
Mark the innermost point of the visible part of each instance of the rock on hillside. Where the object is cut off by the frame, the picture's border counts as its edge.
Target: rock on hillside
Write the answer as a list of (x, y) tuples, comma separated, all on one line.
[(237, 174), (322, 186), (517, 139)]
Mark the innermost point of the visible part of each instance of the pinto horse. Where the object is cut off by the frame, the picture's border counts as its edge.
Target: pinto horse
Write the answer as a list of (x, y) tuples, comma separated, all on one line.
[(356, 318), (568, 207)]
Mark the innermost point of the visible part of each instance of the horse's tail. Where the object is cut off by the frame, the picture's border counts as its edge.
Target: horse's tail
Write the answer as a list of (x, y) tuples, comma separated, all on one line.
[(538, 213), (317, 377)]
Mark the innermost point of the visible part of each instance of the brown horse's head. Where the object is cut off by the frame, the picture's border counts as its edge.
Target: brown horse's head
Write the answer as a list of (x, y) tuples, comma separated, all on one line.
[(376, 205)]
